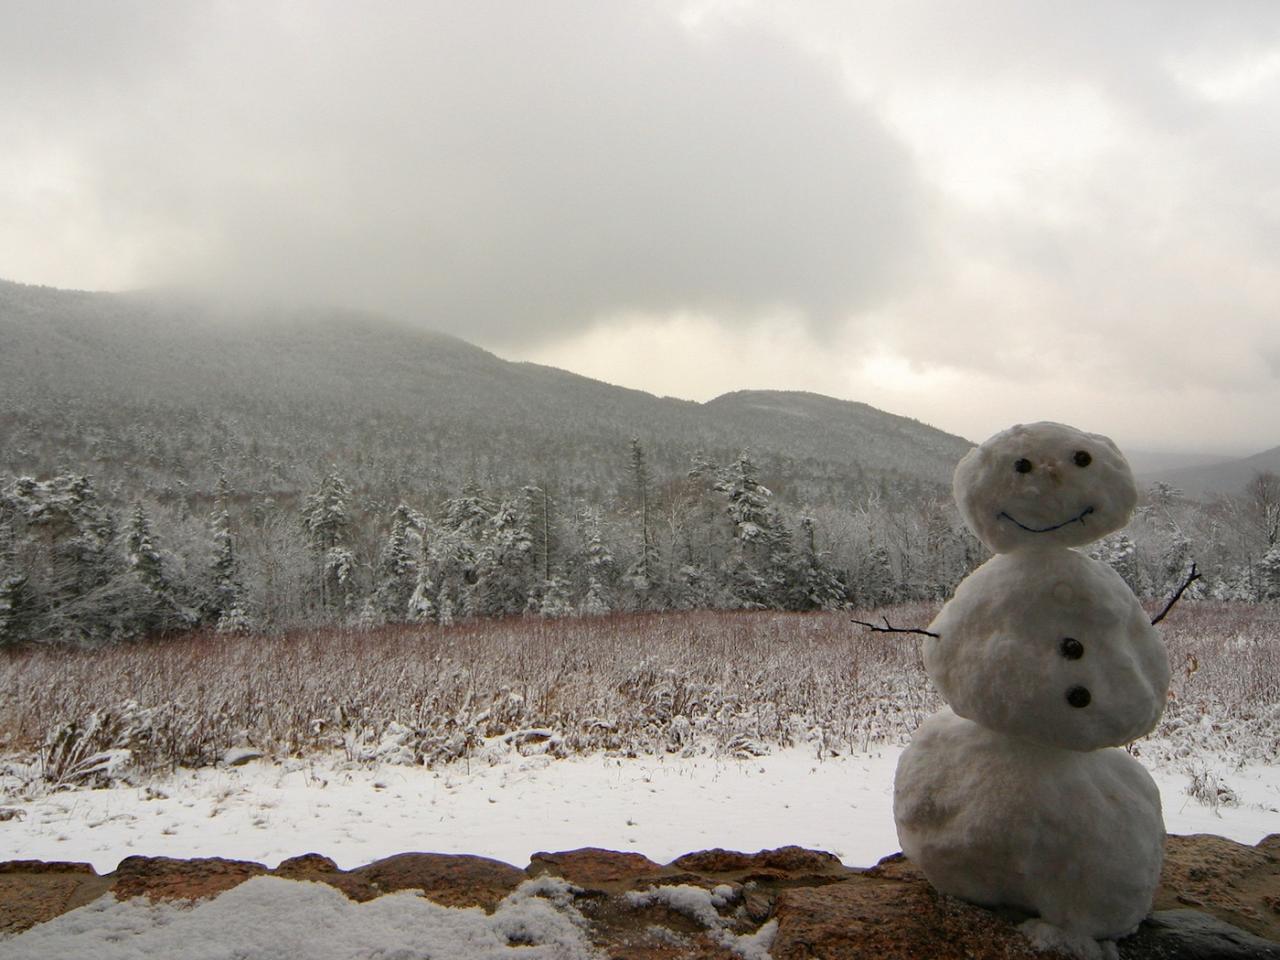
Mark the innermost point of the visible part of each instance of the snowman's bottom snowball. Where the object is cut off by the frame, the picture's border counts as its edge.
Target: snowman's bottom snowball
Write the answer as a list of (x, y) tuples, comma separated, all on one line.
[(1075, 837)]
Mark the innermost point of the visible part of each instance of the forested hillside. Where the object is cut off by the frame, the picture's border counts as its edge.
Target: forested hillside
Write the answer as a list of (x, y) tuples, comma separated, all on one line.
[(167, 463)]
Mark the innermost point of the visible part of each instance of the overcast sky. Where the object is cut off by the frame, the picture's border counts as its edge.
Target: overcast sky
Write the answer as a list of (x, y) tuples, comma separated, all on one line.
[(970, 213)]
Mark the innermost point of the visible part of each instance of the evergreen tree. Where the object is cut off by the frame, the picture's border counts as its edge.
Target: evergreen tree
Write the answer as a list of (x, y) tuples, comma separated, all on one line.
[(228, 608), (143, 557), (877, 585), (599, 564), (83, 593), (455, 550), (14, 599), (157, 608), (506, 565), (396, 574), (326, 518), (754, 571), (421, 608), (556, 601), (812, 584)]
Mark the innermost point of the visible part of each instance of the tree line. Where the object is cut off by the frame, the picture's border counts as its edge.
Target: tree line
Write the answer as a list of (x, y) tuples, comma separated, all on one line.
[(79, 566)]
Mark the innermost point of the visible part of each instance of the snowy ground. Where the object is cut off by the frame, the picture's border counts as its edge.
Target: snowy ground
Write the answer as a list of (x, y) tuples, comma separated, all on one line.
[(511, 806), (506, 807)]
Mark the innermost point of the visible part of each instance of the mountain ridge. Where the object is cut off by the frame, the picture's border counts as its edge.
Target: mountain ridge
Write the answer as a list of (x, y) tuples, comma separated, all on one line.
[(365, 391)]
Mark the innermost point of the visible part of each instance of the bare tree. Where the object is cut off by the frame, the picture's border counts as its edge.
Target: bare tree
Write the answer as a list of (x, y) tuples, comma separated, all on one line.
[(1263, 498)]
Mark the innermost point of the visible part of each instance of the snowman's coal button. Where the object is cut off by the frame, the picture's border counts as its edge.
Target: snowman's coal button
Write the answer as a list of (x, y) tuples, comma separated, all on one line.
[(1022, 465), (1082, 458), (1073, 649), (1079, 696)]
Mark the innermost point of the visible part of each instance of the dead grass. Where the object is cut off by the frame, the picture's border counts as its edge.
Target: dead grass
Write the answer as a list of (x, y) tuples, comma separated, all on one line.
[(738, 683)]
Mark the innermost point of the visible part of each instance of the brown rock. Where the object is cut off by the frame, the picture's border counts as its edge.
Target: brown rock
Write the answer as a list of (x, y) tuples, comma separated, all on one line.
[(895, 867), (1270, 844), (32, 892), (39, 866), (1230, 881), (598, 870), (308, 866), (163, 878), (867, 917), (784, 863), (453, 880)]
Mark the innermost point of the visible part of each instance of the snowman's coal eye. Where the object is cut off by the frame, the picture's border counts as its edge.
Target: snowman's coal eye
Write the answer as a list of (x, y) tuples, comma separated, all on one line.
[(1022, 465), (1079, 696), (1072, 648), (1082, 458)]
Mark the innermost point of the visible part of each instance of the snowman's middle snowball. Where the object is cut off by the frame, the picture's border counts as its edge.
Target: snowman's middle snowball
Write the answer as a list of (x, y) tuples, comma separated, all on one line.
[(1080, 669)]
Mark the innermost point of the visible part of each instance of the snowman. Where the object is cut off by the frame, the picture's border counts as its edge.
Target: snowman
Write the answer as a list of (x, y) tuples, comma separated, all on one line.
[(1015, 794)]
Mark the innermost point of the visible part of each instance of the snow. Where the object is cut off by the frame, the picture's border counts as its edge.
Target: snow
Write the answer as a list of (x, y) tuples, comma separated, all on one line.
[(268, 918), (704, 906), (509, 809), (504, 806)]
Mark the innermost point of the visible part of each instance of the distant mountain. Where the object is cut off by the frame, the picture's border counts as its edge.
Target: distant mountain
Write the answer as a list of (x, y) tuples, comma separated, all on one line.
[(1225, 477), (1146, 462), (163, 392)]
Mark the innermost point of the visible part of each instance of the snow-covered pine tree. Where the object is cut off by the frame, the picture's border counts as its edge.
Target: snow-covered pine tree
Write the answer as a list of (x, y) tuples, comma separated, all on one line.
[(877, 584), (13, 583), (143, 557), (556, 600), (158, 608), (326, 519), (455, 547), (396, 574), (599, 565), (506, 566), (812, 585), (751, 577), (228, 607), (78, 586)]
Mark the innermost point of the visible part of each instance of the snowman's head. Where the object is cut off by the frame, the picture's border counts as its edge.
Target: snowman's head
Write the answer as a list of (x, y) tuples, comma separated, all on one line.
[(1044, 483)]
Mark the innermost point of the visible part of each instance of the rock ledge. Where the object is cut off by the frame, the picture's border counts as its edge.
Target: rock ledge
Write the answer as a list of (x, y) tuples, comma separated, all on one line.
[(1218, 899)]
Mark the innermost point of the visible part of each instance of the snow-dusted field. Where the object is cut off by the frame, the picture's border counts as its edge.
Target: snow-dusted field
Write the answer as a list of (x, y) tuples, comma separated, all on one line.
[(508, 806)]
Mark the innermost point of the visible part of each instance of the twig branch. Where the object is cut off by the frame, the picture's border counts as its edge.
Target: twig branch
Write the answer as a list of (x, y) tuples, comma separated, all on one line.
[(1192, 577), (888, 628)]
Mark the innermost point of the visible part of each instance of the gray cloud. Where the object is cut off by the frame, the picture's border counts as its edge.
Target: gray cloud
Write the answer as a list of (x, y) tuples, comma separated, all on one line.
[(576, 179), (502, 170)]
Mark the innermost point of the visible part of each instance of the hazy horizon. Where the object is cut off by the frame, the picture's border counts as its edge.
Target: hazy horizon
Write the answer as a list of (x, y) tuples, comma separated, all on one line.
[(970, 216)]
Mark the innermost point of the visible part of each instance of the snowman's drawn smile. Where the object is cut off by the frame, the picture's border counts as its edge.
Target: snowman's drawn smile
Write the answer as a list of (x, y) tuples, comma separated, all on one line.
[(1079, 518)]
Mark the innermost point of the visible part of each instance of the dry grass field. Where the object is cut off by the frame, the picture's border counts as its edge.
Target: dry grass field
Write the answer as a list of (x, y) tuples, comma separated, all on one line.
[(732, 683)]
